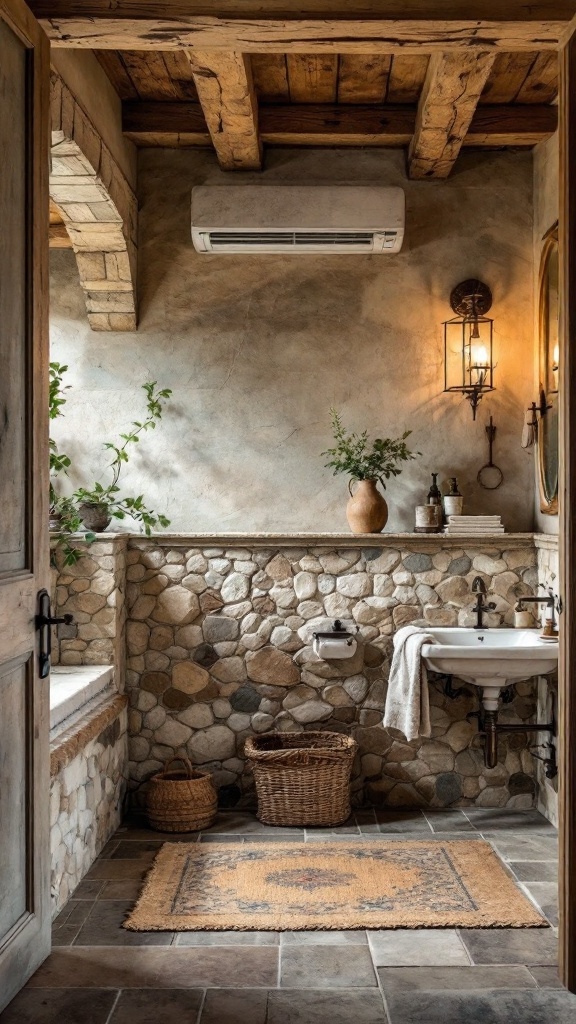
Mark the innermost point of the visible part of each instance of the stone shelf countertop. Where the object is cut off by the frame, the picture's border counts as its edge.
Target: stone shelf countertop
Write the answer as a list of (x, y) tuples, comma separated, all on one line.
[(330, 540)]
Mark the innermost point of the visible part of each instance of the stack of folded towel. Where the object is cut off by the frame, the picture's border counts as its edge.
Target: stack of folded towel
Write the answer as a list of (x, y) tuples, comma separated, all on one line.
[(473, 526)]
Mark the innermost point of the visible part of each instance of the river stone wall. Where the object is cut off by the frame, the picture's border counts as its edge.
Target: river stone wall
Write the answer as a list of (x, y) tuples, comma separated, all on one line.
[(219, 647)]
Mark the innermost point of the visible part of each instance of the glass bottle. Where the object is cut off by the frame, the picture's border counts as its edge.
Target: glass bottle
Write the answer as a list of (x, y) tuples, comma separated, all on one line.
[(453, 501), (434, 494)]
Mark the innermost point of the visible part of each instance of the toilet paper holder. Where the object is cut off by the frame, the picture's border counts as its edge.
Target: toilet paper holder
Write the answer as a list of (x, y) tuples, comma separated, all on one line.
[(336, 644)]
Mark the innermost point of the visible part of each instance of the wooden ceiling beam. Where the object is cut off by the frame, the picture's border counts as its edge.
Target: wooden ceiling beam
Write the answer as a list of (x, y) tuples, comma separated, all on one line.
[(183, 124), (452, 89), (305, 26), (226, 93)]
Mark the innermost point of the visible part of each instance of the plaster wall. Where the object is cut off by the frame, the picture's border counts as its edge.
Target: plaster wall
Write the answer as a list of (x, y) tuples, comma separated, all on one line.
[(546, 212), (257, 349)]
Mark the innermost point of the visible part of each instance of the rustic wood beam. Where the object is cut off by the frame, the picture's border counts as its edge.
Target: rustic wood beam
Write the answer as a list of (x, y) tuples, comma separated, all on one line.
[(58, 237), (183, 124), (452, 88), (228, 100), (305, 26)]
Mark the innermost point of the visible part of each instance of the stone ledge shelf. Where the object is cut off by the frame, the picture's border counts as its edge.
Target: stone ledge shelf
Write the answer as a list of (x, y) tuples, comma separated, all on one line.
[(318, 540), (71, 687)]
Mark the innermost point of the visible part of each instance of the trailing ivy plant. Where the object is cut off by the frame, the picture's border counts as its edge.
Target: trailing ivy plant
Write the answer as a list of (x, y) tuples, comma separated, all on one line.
[(109, 495), (361, 459)]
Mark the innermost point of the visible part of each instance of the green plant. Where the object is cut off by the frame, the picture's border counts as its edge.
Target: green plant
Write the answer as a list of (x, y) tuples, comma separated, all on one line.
[(61, 507), (119, 506), (361, 459)]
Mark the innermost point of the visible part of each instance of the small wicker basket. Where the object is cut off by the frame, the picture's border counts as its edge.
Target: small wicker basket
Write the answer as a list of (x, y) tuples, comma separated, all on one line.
[(181, 799), (302, 778)]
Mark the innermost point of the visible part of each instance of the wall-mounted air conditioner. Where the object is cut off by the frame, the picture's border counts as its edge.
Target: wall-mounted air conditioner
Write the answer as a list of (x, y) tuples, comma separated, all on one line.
[(297, 218)]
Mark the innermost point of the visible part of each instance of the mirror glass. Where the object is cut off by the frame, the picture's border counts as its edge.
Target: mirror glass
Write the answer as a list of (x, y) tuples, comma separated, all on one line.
[(549, 354)]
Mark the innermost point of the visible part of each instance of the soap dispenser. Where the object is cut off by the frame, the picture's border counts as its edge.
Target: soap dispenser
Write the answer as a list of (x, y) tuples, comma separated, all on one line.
[(453, 501)]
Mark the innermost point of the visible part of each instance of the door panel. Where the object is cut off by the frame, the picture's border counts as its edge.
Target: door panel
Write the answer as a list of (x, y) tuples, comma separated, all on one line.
[(24, 554)]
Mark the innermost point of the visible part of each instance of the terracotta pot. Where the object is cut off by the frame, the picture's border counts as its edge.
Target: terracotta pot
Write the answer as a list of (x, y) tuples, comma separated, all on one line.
[(95, 517), (366, 511)]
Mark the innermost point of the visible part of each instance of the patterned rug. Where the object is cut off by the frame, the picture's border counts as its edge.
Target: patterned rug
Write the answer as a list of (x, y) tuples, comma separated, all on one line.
[(325, 885)]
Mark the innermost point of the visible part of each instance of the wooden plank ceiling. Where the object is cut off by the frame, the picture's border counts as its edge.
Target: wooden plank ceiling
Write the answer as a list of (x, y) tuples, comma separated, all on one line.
[(433, 103)]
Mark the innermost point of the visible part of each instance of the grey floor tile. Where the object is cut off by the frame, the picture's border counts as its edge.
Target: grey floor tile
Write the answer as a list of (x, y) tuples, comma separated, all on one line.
[(122, 889), (227, 939), (159, 967), (492, 820), (532, 1006), (116, 870), (324, 938), (395, 980), (239, 823), (234, 1006), (69, 921), (535, 870), (150, 1006), (515, 846), (88, 890), (511, 945), (326, 967), (109, 848), (142, 850), (104, 928), (402, 821), (220, 837), (448, 821), (546, 977), (362, 1006), (59, 1006), (422, 947), (545, 895)]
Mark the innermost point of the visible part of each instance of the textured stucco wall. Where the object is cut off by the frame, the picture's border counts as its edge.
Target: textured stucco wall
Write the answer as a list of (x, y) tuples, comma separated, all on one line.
[(257, 348), (546, 211)]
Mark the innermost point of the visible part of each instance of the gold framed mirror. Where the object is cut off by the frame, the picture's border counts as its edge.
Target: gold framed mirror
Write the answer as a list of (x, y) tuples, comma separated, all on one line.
[(548, 354)]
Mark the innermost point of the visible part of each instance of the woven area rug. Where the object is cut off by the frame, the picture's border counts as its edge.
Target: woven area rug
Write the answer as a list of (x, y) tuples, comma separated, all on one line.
[(325, 885)]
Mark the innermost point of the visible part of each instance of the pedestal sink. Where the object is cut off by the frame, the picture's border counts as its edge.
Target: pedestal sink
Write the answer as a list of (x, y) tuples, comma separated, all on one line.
[(492, 659)]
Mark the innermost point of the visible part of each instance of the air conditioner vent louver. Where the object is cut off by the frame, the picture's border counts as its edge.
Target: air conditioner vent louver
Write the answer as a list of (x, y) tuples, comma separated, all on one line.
[(297, 219)]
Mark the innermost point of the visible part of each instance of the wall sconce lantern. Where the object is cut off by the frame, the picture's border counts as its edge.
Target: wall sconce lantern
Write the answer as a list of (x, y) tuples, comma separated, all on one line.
[(468, 366)]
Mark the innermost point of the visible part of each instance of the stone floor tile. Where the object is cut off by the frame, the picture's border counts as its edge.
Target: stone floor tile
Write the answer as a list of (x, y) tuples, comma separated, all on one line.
[(152, 1006), (402, 821), (88, 890), (273, 837), (108, 850), (362, 1006), (227, 939), (324, 938), (487, 819), (142, 833), (422, 947), (142, 850), (205, 837), (516, 846), (511, 945), (349, 828), (104, 928), (448, 821), (395, 980), (535, 870), (240, 822), (326, 967), (234, 1006), (122, 889), (546, 977), (115, 870), (59, 1006), (545, 895), (531, 1006), (69, 921), (158, 967)]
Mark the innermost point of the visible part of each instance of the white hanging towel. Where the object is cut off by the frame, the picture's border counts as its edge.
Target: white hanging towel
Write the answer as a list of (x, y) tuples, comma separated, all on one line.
[(407, 701)]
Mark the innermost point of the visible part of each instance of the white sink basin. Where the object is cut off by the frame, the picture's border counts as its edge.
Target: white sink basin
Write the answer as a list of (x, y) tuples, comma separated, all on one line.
[(491, 658)]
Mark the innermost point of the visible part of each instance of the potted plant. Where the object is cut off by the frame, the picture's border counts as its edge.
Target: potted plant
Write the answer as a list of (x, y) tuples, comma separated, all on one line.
[(63, 514), (366, 463), (100, 503)]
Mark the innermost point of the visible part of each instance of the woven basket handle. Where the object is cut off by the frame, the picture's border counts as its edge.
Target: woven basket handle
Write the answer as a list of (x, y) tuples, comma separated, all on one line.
[(184, 759)]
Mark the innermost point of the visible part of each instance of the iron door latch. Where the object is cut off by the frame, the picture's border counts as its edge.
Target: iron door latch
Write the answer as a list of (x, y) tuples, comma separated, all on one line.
[(44, 621)]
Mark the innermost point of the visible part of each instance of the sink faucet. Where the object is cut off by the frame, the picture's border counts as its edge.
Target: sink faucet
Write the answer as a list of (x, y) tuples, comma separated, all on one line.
[(479, 588), (549, 601)]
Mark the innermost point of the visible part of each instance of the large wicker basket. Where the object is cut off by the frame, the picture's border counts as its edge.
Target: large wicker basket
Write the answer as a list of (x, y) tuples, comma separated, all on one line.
[(302, 778), (181, 799)]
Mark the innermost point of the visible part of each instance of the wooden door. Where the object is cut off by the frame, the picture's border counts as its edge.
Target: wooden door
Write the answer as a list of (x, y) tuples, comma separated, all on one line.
[(24, 698), (567, 511)]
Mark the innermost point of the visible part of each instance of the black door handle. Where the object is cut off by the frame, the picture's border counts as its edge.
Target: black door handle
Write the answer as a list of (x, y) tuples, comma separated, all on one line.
[(44, 620)]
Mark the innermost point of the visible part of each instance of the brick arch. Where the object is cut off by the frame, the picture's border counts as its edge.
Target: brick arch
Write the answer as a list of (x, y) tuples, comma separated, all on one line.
[(99, 210)]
